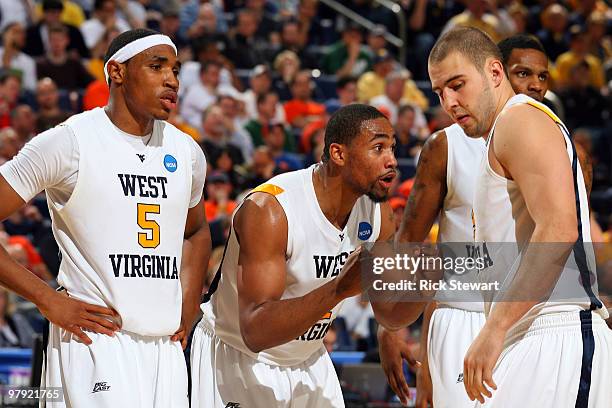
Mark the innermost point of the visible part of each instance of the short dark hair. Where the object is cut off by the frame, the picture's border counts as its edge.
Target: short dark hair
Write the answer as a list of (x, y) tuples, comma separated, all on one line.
[(520, 42), (345, 124), (405, 108), (125, 38), (344, 81), (470, 42), (210, 63), (262, 98)]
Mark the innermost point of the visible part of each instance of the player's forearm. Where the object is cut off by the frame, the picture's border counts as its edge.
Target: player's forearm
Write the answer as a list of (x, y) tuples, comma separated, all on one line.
[(287, 319), (21, 281), (196, 253), (394, 315)]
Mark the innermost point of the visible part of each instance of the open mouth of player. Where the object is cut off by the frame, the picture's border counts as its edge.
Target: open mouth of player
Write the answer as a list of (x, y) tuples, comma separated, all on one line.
[(462, 119), (168, 100), (386, 180)]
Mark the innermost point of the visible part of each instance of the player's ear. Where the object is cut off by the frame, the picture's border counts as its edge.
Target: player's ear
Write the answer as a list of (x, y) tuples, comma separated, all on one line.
[(496, 71), (337, 154), (116, 71)]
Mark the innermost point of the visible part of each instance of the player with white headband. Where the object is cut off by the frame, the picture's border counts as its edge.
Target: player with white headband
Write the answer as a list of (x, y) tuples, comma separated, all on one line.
[(124, 188)]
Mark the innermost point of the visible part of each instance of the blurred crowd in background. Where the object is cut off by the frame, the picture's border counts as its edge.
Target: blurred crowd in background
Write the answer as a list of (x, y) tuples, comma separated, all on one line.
[(259, 81)]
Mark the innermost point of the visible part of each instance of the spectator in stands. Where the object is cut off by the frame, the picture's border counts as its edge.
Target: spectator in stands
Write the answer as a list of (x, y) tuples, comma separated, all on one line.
[(311, 29), (578, 52), (480, 14), (103, 20), (206, 50), (301, 109), (23, 121), (15, 331), (11, 56), (287, 65), (10, 89), (357, 314), (291, 41), (67, 71), (189, 14), (394, 97), (582, 11), (409, 144), (260, 81), (275, 140), (49, 112), (584, 104), (170, 24), (95, 66), (218, 197), (235, 119), (12, 11), (260, 127), (205, 25), (32, 259), (9, 143), (244, 50), (600, 44), (346, 89), (552, 35), (203, 93), (134, 12), (267, 26), (72, 13), (261, 169), (216, 137), (372, 84), (347, 57), (37, 36)]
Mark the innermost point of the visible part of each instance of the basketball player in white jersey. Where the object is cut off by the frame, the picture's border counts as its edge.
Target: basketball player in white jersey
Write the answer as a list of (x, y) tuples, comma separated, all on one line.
[(539, 351), (124, 190), (288, 267), (444, 183)]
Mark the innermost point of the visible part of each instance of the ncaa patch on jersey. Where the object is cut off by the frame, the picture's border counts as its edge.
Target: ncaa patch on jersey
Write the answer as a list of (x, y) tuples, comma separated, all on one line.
[(365, 231), (170, 163)]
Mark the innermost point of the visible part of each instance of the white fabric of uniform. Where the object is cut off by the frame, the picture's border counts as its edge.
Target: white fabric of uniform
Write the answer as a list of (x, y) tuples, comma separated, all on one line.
[(78, 164), (222, 375), (126, 370), (451, 332), (316, 251), (560, 353), (310, 238), (540, 366)]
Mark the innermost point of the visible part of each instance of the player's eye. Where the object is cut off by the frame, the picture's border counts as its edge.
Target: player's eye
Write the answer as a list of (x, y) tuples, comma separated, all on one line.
[(543, 78), (521, 74), (155, 67), (456, 87)]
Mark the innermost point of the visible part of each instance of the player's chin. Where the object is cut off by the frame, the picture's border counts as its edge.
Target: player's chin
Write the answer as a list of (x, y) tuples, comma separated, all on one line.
[(161, 114), (379, 195)]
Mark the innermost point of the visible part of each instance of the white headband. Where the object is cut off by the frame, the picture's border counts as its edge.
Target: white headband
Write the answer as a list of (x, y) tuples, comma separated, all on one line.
[(137, 46)]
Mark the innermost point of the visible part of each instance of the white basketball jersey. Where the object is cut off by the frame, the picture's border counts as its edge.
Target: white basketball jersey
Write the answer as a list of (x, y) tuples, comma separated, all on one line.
[(121, 232), (316, 251), (463, 161), (501, 216)]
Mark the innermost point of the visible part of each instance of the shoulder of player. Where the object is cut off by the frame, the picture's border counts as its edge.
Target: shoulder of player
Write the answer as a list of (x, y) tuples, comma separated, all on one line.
[(534, 124), (260, 215), (434, 155)]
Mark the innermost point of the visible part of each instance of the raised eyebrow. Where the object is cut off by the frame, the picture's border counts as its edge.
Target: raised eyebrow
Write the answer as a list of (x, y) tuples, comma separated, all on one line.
[(159, 58)]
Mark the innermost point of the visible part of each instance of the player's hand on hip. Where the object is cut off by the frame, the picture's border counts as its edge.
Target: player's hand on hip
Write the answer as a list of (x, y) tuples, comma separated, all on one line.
[(188, 316), (424, 388), (393, 351), (76, 316), (480, 361)]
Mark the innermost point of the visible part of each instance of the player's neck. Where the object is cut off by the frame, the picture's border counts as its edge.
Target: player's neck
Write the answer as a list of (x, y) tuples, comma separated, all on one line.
[(335, 199), (126, 119), (504, 96)]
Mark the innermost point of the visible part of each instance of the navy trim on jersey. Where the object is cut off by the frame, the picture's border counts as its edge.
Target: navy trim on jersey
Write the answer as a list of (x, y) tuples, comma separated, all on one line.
[(579, 252), (588, 349), (215, 282)]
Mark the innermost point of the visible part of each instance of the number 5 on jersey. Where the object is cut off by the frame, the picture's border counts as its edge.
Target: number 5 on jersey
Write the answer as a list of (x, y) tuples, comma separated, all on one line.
[(149, 238)]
